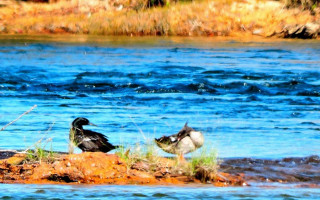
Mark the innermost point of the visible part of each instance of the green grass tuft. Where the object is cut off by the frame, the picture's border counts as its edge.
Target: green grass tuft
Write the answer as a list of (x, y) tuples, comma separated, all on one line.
[(147, 153), (202, 165), (204, 160), (40, 153)]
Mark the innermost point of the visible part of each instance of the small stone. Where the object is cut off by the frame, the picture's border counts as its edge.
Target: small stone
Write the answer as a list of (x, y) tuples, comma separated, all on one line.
[(141, 166)]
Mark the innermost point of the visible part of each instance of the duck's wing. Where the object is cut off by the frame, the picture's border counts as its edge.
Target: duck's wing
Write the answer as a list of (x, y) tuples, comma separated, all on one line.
[(167, 143), (176, 137), (95, 135), (167, 139), (184, 132), (97, 141)]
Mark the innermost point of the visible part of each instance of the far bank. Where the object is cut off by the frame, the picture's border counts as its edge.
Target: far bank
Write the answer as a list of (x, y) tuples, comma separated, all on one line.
[(208, 18)]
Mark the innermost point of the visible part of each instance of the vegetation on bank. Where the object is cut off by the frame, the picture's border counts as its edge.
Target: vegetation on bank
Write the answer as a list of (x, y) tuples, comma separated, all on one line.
[(203, 163), (144, 17)]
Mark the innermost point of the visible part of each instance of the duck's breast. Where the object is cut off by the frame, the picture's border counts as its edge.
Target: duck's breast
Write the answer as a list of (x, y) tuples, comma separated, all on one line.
[(185, 146), (197, 138)]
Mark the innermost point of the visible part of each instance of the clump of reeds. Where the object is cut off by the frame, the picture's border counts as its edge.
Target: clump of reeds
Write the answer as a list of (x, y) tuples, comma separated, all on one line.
[(204, 164), (39, 153), (146, 154)]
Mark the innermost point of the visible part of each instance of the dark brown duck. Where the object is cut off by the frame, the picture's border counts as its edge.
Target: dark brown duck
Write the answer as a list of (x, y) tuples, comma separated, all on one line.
[(86, 140)]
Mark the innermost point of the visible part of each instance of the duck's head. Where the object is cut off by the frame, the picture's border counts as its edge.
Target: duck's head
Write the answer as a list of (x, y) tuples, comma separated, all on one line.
[(81, 121)]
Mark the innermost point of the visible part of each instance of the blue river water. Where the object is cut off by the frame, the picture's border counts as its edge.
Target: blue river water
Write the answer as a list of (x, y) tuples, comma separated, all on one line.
[(57, 192), (250, 99)]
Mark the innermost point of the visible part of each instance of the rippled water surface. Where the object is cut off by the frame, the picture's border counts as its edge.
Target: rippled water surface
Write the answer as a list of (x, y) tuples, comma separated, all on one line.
[(57, 192), (250, 99)]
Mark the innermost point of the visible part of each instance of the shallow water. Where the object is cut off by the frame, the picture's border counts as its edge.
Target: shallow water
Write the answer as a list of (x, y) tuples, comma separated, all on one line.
[(250, 99), (151, 192)]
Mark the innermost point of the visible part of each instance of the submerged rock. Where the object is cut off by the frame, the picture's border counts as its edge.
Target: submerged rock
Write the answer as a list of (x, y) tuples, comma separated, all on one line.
[(300, 170)]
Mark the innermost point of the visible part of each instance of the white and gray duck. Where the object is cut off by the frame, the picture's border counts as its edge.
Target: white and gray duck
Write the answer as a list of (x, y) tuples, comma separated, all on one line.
[(185, 141), (86, 140)]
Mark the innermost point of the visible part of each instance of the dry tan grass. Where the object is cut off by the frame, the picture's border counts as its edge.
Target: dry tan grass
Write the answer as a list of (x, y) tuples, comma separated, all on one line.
[(205, 18)]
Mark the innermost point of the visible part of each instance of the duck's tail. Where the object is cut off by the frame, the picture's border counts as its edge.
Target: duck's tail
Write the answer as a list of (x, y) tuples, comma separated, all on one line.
[(186, 124)]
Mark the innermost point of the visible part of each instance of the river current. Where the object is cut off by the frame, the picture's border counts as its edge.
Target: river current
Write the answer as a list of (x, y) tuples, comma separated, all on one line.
[(250, 99)]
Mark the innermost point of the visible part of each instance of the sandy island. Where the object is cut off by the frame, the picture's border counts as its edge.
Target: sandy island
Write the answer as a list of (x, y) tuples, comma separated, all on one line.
[(101, 168)]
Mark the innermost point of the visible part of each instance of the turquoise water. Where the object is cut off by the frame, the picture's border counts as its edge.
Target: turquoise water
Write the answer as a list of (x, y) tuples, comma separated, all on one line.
[(250, 99)]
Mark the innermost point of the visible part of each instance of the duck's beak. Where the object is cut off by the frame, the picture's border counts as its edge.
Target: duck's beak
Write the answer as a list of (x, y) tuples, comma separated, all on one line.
[(92, 124)]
